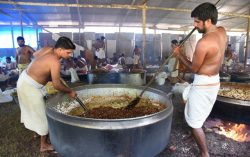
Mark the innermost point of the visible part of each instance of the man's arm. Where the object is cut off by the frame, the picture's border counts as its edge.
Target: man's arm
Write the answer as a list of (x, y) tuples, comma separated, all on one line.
[(31, 51), (103, 45), (55, 75), (13, 65), (198, 57), (230, 55), (16, 56), (182, 58)]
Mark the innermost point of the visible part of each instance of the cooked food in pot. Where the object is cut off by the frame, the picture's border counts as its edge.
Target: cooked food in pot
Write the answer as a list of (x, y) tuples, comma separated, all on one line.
[(113, 107), (235, 91)]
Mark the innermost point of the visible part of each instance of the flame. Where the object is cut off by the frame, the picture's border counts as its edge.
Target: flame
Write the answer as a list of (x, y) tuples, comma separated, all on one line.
[(237, 132)]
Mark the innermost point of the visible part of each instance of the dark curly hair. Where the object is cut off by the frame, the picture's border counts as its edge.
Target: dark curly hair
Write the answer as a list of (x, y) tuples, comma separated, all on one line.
[(20, 38), (65, 43), (175, 42), (206, 11)]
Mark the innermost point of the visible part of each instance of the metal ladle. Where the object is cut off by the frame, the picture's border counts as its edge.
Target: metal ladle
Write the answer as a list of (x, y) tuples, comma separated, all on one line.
[(82, 104), (85, 108)]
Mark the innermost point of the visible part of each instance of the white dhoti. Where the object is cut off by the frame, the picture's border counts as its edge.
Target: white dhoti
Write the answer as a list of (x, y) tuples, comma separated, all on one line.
[(200, 99), (100, 53), (74, 76), (173, 66), (136, 59), (30, 96)]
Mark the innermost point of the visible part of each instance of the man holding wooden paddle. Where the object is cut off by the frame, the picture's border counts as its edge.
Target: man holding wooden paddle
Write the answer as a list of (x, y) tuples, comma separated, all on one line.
[(206, 63)]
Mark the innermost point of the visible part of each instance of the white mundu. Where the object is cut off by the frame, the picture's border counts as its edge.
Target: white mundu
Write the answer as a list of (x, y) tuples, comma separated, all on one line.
[(200, 99), (100, 53), (30, 96)]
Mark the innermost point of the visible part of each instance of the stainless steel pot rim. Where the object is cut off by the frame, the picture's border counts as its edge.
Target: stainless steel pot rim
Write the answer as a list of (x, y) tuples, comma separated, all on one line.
[(122, 72), (233, 101), (94, 86), (130, 122), (79, 74)]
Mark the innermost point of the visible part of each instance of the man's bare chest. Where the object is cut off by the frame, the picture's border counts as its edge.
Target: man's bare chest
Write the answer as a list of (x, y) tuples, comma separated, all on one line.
[(23, 51)]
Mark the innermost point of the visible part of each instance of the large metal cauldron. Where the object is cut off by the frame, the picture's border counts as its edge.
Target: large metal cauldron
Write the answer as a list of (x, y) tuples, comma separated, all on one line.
[(232, 109), (240, 77), (82, 77), (133, 78), (132, 137)]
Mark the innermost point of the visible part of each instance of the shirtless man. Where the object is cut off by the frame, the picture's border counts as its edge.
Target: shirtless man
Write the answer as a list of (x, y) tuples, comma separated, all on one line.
[(99, 46), (137, 55), (24, 54), (206, 62), (228, 59), (45, 67), (89, 56)]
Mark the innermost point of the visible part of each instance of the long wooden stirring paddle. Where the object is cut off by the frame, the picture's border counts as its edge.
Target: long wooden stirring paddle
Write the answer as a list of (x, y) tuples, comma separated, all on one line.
[(135, 101)]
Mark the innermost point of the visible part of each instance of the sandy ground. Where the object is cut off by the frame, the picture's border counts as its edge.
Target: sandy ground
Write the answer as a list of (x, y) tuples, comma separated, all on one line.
[(17, 141)]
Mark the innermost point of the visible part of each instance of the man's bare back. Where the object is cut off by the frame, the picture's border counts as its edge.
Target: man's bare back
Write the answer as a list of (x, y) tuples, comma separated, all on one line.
[(45, 64), (209, 53), (46, 67)]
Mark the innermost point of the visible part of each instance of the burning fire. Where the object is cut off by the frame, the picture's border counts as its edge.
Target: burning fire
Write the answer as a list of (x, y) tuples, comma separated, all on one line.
[(237, 132)]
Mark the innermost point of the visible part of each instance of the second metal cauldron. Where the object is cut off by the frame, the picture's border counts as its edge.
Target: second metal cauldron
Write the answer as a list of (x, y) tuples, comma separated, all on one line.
[(232, 109), (132, 137), (132, 78), (240, 77)]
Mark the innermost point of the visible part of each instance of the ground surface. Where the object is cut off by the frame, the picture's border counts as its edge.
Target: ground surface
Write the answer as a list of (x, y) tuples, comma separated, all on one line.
[(16, 141)]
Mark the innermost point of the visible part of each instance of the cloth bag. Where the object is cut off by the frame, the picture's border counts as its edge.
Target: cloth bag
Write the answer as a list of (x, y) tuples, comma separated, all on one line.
[(74, 76), (179, 88), (161, 77), (182, 88), (5, 97)]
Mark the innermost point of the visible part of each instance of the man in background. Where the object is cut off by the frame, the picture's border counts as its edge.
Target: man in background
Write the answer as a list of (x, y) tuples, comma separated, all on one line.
[(228, 59), (89, 56), (121, 60), (137, 56), (182, 68), (99, 46), (11, 71), (9, 65), (24, 54)]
